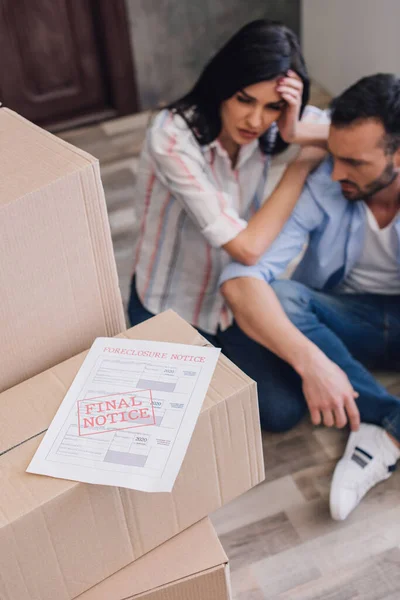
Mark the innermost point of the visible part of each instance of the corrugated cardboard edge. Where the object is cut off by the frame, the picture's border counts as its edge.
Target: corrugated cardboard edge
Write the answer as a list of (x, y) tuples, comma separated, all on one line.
[(100, 234), (255, 459), (98, 227)]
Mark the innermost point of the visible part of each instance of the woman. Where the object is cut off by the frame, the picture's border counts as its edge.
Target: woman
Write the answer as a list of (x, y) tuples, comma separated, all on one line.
[(203, 170)]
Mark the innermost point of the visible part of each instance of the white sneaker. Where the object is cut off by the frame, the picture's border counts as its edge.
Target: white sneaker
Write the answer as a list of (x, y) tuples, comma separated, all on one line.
[(370, 457)]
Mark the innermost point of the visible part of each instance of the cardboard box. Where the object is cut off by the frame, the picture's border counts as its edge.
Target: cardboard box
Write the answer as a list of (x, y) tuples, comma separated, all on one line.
[(58, 538), (190, 566), (58, 279)]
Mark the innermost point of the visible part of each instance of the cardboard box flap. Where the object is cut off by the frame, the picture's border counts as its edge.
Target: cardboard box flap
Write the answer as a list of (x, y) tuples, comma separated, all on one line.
[(194, 550), (31, 158), (213, 584), (39, 408)]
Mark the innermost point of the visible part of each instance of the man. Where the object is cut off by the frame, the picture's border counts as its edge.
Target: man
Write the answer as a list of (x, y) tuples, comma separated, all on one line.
[(311, 339)]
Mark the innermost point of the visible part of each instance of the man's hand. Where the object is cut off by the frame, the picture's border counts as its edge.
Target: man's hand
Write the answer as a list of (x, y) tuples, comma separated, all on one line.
[(329, 394), (291, 90)]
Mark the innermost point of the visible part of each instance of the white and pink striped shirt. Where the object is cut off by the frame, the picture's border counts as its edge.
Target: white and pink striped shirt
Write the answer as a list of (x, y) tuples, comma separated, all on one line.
[(190, 202)]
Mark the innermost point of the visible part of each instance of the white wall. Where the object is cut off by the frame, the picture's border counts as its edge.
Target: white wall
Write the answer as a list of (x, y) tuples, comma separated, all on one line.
[(344, 40)]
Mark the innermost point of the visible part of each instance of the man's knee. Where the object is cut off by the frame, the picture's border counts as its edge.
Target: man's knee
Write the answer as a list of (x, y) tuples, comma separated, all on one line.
[(293, 296), (276, 421)]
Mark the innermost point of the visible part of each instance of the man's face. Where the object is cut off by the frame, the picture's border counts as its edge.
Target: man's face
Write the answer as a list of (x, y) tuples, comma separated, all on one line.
[(361, 165)]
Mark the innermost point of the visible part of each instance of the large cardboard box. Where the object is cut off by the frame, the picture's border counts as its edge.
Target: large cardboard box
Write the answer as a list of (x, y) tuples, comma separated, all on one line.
[(58, 279), (58, 538), (191, 566)]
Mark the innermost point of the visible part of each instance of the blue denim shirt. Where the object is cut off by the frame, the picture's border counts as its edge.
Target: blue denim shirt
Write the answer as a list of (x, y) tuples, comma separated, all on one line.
[(333, 227)]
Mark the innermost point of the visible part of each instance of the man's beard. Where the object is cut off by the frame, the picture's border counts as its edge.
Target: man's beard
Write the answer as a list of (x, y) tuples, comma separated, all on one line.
[(383, 181)]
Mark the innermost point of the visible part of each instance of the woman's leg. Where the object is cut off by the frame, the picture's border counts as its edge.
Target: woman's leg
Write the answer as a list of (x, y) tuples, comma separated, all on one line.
[(136, 311)]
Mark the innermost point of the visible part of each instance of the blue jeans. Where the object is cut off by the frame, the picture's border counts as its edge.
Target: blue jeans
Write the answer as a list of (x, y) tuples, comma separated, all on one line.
[(356, 332)]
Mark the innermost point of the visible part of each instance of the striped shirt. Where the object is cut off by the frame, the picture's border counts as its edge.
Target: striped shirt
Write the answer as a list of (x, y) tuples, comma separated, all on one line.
[(190, 202)]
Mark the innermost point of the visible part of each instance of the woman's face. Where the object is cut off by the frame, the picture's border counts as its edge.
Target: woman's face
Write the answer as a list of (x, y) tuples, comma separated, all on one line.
[(251, 111)]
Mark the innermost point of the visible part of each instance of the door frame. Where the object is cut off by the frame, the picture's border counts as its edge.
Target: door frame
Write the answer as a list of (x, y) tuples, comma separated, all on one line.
[(111, 20)]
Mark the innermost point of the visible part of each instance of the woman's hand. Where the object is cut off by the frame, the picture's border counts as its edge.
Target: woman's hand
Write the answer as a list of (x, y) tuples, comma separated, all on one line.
[(291, 90)]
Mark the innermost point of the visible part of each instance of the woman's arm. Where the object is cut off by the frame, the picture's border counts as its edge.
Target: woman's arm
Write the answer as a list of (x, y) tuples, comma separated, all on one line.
[(180, 165), (313, 128), (311, 134), (263, 227)]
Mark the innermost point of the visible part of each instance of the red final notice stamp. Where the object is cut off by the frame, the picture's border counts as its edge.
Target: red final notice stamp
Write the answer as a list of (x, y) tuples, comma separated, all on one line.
[(115, 412)]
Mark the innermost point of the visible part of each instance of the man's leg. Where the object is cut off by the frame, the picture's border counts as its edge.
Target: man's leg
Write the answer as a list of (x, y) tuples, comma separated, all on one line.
[(280, 396), (281, 399), (392, 334), (351, 332), (392, 330), (348, 328)]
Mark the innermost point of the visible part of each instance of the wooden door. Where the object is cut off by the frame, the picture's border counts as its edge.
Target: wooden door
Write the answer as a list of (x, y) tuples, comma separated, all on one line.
[(65, 62)]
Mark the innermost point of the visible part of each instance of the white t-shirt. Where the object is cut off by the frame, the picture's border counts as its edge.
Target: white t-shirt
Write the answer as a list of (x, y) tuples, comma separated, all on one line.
[(377, 269)]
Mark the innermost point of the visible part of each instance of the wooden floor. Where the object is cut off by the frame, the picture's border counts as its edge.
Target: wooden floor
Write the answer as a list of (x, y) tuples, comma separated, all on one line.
[(280, 539), (282, 543)]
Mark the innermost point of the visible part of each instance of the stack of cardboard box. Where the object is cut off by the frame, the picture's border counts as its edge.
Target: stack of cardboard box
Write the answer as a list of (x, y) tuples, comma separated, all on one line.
[(59, 291)]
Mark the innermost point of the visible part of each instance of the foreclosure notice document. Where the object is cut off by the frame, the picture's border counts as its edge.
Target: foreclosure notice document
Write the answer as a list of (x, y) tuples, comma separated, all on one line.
[(129, 415)]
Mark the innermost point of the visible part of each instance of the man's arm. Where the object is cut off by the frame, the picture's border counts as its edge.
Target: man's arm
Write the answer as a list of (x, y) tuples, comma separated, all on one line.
[(327, 390), (326, 387)]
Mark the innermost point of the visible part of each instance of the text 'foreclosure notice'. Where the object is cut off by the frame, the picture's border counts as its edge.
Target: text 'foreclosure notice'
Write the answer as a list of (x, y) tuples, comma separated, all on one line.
[(129, 414)]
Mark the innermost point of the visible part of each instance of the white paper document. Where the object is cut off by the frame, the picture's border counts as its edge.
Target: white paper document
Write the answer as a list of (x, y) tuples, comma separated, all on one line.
[(129, 415)]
